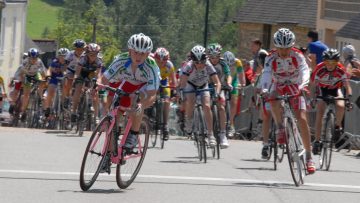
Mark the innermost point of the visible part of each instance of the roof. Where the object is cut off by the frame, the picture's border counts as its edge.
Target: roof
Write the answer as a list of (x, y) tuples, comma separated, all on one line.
[(280, 11), (351, 29)]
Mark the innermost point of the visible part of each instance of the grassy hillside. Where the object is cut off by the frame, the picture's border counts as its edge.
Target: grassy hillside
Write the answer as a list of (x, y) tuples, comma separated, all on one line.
[(42, 14)]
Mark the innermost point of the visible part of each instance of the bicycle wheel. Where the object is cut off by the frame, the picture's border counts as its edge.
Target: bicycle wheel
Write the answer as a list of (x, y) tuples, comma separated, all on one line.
[(327, 142), (202, 134), (155, 132), (82, 112), (129, 166), (160, 115), (293, 151), (94, 154), (216, 130), (275, 146)]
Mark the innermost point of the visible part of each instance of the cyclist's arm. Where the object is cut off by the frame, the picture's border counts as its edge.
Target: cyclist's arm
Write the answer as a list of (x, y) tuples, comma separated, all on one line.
[(183, 80), (304, 73), (172, 78), (217, 82), (241, 73), (149, 99), (265, 79)]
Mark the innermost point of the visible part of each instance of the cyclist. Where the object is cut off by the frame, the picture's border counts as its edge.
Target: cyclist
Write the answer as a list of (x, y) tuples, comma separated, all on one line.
[(223, 71), (2, 93), (237, 73), (286, 72), (72, 60), (31, 68), (195, 75), (89, 66), (136, 71), (168, 77), (56, 69), (329, 77)]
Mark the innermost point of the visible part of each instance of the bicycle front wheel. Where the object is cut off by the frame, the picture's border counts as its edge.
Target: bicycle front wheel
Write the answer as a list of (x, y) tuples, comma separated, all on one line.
[(327, 142), (129, 166), (294, 152), (94, 154)]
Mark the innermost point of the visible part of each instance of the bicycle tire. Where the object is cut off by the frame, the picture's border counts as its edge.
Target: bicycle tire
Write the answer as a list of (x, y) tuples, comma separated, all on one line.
[(327, 143), (98, 134), (121, 168), (81, 121), (216, 128), (275, 146), (292, 148), (154, 135), (161, 123), (202, 134)]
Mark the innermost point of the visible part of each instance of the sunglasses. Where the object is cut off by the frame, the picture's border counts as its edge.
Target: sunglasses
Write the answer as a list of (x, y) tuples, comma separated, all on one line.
[(331, 61), (92, 54), (200, 62)]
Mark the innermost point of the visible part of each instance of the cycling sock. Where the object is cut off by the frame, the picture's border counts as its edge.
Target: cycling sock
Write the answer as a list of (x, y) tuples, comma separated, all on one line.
[(308, 155)]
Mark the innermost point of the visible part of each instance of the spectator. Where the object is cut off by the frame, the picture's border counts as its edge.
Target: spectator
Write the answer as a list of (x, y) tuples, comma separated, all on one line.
[(316, 49), (259, 56), (351, 62)]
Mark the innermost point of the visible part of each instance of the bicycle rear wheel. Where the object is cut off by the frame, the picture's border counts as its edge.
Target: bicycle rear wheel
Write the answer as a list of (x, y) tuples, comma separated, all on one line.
[(129, 166), (216, 130), (155, 126), (202, 134), (327, 142), (94, 154), (293, 151)]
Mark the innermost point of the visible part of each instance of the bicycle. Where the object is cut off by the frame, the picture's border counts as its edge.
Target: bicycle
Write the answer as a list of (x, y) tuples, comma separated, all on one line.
[(293, 145), (15, 116), (279, 150), (199, 127), (85, 114), (34, 113), (156, 119), (106, 146), (328, 130)]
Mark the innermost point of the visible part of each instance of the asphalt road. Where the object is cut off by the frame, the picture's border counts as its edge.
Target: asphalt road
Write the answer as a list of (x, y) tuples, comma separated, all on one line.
[(43, 166)]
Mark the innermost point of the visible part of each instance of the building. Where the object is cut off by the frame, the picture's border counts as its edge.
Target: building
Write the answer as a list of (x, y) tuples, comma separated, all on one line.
[(261, 18), (338, 23), (12, 35)]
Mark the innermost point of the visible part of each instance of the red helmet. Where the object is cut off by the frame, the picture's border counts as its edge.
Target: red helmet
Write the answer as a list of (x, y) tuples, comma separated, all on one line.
[(162, 54), (92, 47)]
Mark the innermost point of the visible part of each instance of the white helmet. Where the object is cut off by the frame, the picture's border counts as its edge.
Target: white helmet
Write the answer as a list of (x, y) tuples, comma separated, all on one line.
[(140, 43), (63, 52), (284, 38), (198, 53), (229, 58), (348, 50)]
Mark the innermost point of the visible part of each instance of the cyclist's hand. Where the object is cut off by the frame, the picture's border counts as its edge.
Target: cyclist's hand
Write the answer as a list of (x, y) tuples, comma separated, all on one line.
[(348, 105), (138, 108), (229, 87), (313, 103), (181, 94), (265, 93)]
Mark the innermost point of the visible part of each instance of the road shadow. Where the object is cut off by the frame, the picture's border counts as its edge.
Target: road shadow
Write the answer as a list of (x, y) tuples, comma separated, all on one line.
[(255, 160), (276, 186), (96, 191), (258, 169), (182, 162)]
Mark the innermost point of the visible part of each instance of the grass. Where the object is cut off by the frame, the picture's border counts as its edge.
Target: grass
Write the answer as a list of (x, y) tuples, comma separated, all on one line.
[(42, 14)]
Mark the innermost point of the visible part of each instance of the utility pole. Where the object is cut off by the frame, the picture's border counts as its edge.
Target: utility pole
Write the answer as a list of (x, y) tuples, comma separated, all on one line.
[(94, 22), (206, 23)]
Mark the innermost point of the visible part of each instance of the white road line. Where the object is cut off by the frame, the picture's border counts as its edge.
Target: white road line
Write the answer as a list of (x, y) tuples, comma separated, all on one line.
[(268, 182)]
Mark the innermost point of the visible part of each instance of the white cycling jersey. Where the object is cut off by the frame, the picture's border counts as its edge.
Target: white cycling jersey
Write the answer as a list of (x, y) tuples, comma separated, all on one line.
[(147, 72), (292, 70), (29, 69), (72, 60), (198, 77)]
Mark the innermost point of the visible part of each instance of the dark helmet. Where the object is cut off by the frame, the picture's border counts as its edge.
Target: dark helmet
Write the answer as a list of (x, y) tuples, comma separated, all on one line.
[(33, 53), (79, 43), (331, 54)]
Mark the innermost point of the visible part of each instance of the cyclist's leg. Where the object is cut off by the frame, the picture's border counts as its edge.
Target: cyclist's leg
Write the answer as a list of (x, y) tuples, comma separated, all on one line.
[(233, 107), (25, 97), (340, 110), (320, 109), (51, 90), (67, 88), (165, 94), (222, 117), (265, 130), (189, 104), (76, 99), (208, 117)]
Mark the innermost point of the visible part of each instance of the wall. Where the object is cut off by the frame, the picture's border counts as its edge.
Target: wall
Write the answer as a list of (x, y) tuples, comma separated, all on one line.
[(12, 38)]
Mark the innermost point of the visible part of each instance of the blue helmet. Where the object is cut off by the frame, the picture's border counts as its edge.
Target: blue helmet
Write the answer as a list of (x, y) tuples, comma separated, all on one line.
[(79, 43), (33, 53)]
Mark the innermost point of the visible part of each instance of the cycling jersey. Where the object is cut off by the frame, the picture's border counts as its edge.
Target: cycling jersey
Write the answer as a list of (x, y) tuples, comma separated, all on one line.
[(329, 79), (292, 71), (165, 72), (29, 69), (72, 61), (88, 68), (222, 70), (147, 73), (57, 69), (198, 77)]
